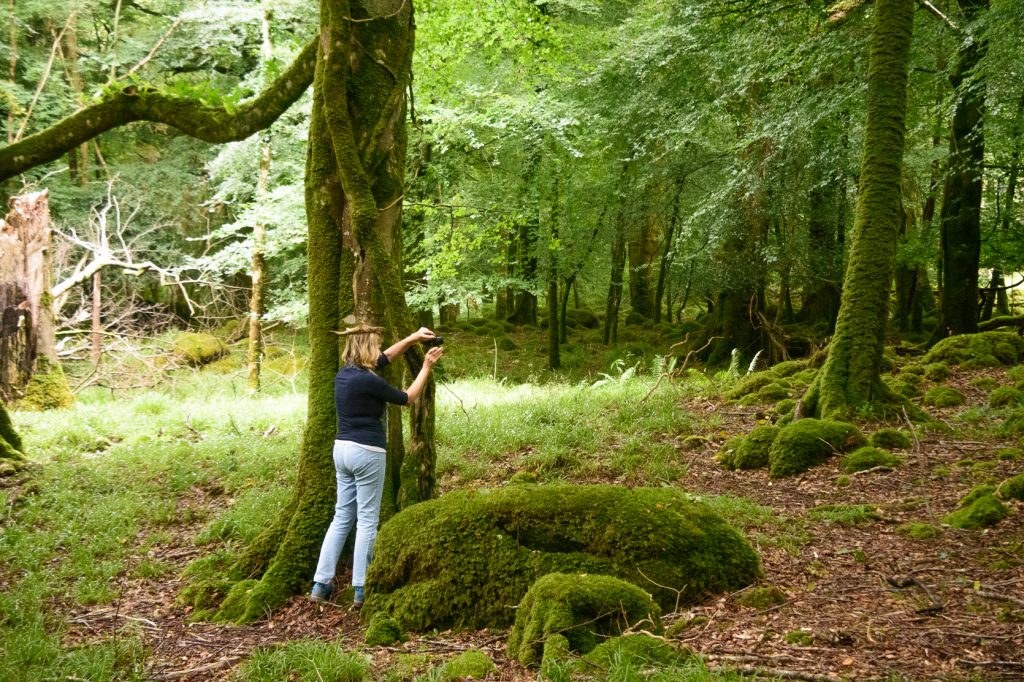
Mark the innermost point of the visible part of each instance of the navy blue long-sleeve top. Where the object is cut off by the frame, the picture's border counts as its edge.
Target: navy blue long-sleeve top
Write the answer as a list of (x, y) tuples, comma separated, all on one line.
[(360, 397)]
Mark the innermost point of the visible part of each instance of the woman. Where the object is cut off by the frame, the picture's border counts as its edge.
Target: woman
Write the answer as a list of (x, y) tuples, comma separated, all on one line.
[(360, 398)]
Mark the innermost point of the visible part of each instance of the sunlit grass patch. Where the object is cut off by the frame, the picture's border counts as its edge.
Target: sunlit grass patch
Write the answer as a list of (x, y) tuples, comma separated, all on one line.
[(304, 661)]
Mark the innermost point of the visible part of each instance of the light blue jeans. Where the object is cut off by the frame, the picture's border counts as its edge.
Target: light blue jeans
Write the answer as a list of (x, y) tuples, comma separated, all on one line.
[(360, 474)]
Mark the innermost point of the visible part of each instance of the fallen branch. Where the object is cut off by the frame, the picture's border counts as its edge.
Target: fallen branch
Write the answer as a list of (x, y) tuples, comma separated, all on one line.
[(759, 671), (209, 667), (999, 596)]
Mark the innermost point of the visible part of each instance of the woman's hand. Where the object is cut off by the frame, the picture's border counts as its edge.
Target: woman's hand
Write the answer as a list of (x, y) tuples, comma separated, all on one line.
[(422, 334), (432, 356)]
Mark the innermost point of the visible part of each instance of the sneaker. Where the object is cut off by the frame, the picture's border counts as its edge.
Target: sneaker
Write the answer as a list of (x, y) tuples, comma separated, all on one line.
[(359, 596), (321, 592)]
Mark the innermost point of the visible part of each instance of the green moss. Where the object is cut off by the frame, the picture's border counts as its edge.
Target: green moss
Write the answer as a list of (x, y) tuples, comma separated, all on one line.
[(198, 349), (464, 558), (751, 451), (691, 443), (919, 531), (943, 396), (237, 600), (843, 514), (901, 387), (915, 368), (936, 371), (843, 481), (772, 392), (1015, 373), (47, 389), (1010, 454), (469, 665), (1011, 488), (785, 406), (890, 439), (799, 638), (1005, 395), (383, 630), (977, 492), (761, 598), (1013, 425), (984, 383), (983, 511), (10, 444), (985, 349), (808, 442), (751, 383), (505, 343), (869, 457), (286, 365), (581, 608), (641, 652)]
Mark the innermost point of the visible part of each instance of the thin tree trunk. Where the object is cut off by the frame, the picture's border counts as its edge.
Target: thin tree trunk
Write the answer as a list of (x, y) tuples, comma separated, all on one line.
[(259, 232), (97, 326), (611, 316), (852, 372), (667, 253), (12, 67)]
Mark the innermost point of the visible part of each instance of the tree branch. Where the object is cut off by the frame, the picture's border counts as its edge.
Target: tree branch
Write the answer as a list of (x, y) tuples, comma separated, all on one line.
[(212, 124)]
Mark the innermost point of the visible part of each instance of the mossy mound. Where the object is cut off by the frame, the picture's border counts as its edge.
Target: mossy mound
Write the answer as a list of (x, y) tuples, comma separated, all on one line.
[(467, 558), (383, 630), (890, 439), (505, 343), (919, 531), (984, 383), (985, 349), (643, 652), (869, 457), (1011, 488), (901, 387), (198, 349), (936, 371), (943, 396), (773, 392), (761, 598), (785, 406), (1010, 454), (749, 384), (1013, 425), (808, 442), (1005, 395), (47, 389), (469, 665), (582, 318), (978, 509), (581, 608), (750, 451)]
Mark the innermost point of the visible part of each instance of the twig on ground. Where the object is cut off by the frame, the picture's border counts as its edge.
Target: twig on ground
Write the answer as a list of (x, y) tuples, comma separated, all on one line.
[(209, 667)]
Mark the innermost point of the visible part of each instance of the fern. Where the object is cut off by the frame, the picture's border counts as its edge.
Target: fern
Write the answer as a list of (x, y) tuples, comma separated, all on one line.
[(734, 364)]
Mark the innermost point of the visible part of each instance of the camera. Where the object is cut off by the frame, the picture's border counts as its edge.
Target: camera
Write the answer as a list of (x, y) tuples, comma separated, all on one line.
[(434, 342)]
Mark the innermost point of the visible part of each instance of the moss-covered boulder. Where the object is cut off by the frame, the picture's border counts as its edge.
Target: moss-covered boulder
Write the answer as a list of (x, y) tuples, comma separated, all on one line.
[(936, 371), (773, 392), (986, 349), (943, 396), (383, 630), (469, 665), (761, 598), (467, 558), (641, 652), (750, 451), (869, 457), (198, 349), (581, 608), (583, 318), (1012, 488), (978, 509), (890, 439), (806, 443), (1004, 396)]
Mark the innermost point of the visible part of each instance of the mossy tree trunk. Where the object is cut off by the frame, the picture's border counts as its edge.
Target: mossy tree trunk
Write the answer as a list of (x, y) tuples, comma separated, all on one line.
[(960, 218), (11, 459), (618, 259), (644, 243), (851, 375), (667, 256)]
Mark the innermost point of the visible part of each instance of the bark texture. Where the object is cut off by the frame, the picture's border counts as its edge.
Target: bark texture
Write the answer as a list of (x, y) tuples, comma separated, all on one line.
[(851, 375)]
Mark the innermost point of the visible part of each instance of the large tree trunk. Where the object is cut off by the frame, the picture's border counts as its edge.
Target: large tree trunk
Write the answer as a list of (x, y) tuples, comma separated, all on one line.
[(961, 198), (614, 301), (643, 253), (524, 306), (851, 375), (29, 369), (667, 255), (354, 186)]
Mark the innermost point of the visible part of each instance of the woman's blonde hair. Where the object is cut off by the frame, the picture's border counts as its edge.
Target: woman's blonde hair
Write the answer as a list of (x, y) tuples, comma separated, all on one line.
[(362, 345)]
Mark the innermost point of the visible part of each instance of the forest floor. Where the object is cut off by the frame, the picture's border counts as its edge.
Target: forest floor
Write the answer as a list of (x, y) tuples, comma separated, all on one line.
[(860, 598)]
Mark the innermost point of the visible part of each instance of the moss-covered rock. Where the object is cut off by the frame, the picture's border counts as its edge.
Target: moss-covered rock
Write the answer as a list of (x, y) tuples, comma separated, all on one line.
[(785, 406), (1004, 396), (890, 439), (581, 608), (984, 383), (1010, 454), (901, 387), (469, 665), (751, 383), (762, 598), (936, 371), (383, 630), (808, 442), (467, 558), (1011, 488), (47, 389), (1016, 373), (643, 652), (750, 451), (943, 396), (978, 509), (869, 457), (919, 531), (505, 343), (985, 349), (198, 349), (583, 318)]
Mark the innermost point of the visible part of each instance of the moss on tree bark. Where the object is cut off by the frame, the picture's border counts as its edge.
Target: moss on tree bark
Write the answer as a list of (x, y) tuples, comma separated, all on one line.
[(851, 375)]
